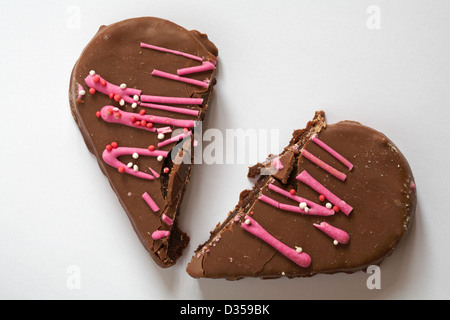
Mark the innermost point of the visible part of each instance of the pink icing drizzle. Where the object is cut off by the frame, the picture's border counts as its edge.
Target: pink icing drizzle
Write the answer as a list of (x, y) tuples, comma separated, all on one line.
[(164, 130), (127, 117), (325, 166), (206, 65), (170, 100), (174, 139), (171, 109), (175, 77), (151, 203), (302, 259), (291, 208), (110, 157), (337, 234), (159, 234), (306, 178), (176, 52), (314, 208), (167, 220), (126, 94), (331, 151)]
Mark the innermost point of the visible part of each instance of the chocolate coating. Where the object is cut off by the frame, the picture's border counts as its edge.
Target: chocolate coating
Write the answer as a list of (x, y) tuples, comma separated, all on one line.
[(115, 54), (380, 188)]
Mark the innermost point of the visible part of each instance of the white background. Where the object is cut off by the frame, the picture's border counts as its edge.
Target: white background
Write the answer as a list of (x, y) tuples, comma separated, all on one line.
[(279, 62)]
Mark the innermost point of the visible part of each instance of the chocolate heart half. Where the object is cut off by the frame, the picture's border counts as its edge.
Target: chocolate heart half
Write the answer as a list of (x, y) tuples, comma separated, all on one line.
[(337, 199), (136, 93)]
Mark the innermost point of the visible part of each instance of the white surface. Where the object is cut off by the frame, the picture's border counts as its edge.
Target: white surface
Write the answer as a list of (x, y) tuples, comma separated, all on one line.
[(279, 62)]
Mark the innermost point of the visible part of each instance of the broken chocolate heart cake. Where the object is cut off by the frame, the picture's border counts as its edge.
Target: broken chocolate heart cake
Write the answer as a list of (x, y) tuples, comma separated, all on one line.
[(337, 199), (136, 93)]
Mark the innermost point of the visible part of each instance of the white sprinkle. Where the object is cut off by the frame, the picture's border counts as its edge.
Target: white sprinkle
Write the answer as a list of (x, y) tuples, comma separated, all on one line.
[(116, 109), (92, 72), (329, 205), (122, 102), (298, 249), (335, 242), (123, 86), (247, 221), (136, 97), (81, 92), (134, 105), (135, 168), (159, 158), (135, 155), (130, 164), (161, 136), (302, 205), (306, 209)]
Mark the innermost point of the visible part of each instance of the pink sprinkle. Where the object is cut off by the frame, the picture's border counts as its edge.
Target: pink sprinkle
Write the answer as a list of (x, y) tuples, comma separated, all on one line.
[(325, 166), (306, 178), (159, 234), (167, 220), (151, 203), (337, 234), (327, 148), (174, 139), (171, 109), (166, 75), (170, 100), (176, 52), (206, 65), (277, 163), (302, 259)]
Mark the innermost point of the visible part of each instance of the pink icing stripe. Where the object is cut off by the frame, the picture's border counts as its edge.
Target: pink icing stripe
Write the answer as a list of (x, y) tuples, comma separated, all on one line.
[(154, 173), (129, 118), (174, 139), (164, 130), (314, 208), (306, 178), (151, 203), (296, 209), (169, 108), (171, 100), (170, 76), (325, 166), (167, 220), (327, 148), (159, 234), (178, 53), (110, 157), (206, 65), (277, 163), (123, 117), (107, 88), (337, 234), (300, 258)]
